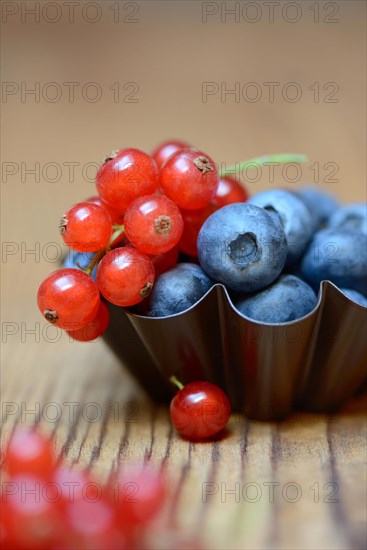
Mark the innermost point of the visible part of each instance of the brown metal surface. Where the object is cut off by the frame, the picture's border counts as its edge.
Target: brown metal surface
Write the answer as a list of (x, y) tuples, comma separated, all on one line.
[(315, 363)]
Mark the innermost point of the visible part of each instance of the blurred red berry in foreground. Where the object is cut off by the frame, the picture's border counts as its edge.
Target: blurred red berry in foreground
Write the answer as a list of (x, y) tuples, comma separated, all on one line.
[(29, 453)]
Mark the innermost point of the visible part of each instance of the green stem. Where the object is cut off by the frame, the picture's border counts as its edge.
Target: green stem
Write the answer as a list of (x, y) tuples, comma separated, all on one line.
[(281, 158), (176, 382), (118, 230)]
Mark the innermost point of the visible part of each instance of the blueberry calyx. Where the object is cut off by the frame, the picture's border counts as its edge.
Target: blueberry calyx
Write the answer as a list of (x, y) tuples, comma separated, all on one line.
[(244, 249)]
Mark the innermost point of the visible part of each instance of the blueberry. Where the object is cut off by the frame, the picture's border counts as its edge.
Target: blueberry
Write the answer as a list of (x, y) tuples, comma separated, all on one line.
[(320, 204), (293, 215), (177, 290), (355, 296), (337, 255), (350, 216), (242, 246), (75, 259), (287, 299)]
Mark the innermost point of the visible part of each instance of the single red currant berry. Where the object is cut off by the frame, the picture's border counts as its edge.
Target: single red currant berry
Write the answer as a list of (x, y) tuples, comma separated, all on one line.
[(125, 276), (189, 178), (72, 484), (116, 216), (90, 518), (86, 227), (153, 224), (193, 221), (228, 192), (68, 298), (164, 262), (150, 489), (167, 149), (95, 328), (29, 453), (125, 177), (35, 518), (199, 410)]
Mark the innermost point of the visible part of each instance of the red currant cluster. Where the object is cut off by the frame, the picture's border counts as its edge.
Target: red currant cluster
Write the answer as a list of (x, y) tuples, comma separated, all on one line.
[(48, 506), (149, 208)]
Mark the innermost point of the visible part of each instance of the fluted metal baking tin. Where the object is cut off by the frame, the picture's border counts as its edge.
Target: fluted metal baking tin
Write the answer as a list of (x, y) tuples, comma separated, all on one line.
[(315, 363)]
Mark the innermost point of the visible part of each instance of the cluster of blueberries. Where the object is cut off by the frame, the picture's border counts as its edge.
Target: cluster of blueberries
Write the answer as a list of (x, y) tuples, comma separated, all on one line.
[(271, 253)]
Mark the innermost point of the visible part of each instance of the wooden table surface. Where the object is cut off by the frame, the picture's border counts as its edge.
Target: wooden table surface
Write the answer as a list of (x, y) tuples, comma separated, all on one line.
[(79, 393)]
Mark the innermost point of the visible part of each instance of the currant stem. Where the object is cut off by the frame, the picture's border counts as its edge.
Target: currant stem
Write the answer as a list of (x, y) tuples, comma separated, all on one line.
[(118, 230), (176, 382), (96, 258), (281, 158)]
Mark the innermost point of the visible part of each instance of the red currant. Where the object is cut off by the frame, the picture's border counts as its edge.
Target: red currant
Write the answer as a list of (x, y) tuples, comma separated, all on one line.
[(229, 191), (193, 221), (72, 484), (33, 517), (89, 517), (199, 410), (125, 276), (189, 178), (95, 328), (125, 176), (141, 494), (86, 227), (68, 298), (153, 224), (116, 216), (167, 149), (29, 453), (164, 262)]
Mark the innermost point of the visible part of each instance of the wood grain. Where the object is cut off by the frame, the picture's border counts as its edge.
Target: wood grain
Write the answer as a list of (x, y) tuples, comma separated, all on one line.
[(170, 53)]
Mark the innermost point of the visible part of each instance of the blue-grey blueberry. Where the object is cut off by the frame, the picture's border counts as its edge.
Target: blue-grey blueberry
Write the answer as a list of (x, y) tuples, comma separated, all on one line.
[(177, 289), (293, 215), (287, 299), (78, 260), (320, 203), (242, 246), (337, 255), (350, 216)]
